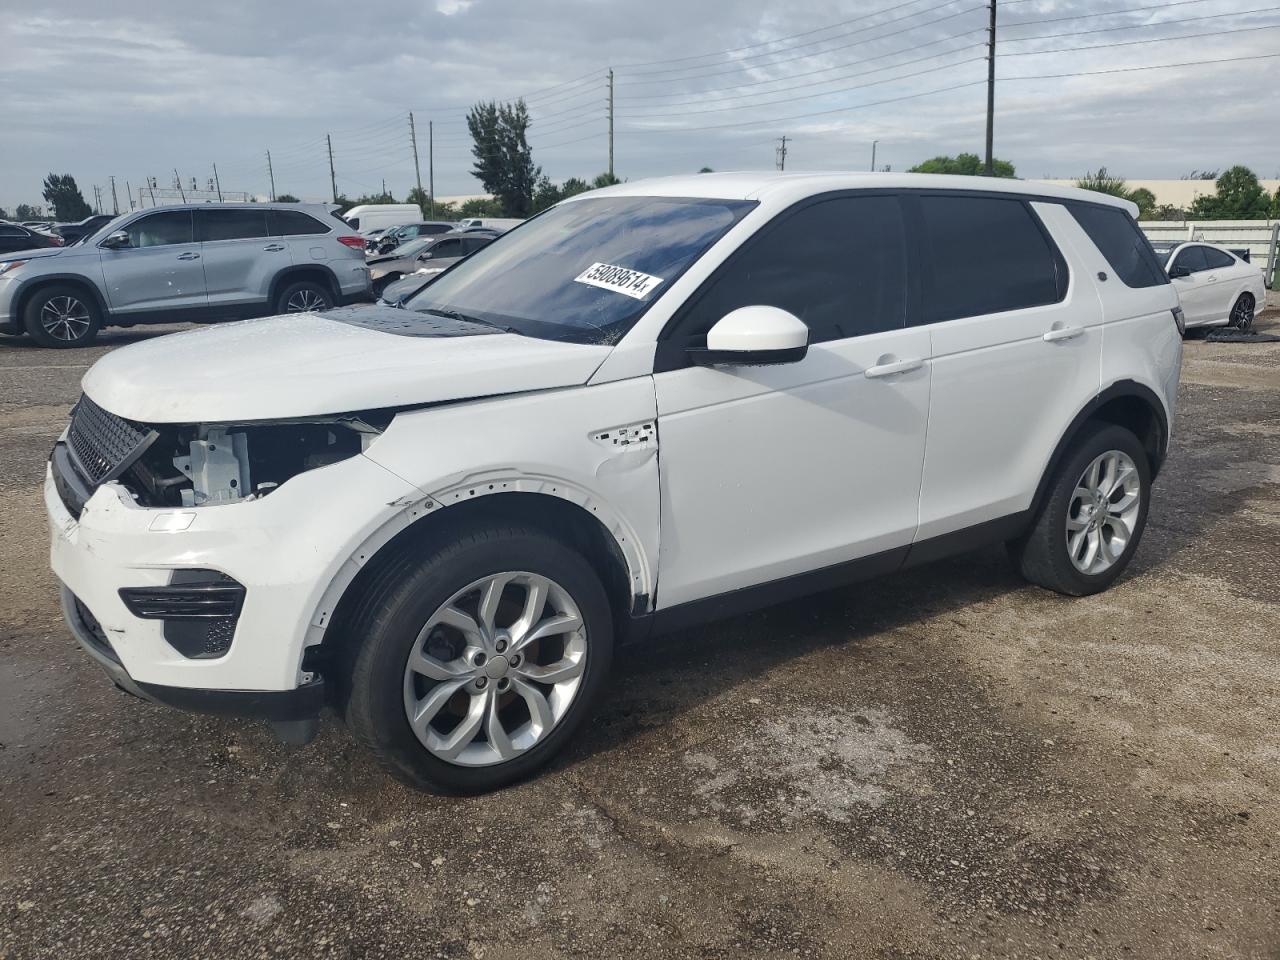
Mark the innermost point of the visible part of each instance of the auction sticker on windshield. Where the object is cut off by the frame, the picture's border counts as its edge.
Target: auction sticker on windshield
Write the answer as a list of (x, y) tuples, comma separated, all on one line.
[(631, 283)]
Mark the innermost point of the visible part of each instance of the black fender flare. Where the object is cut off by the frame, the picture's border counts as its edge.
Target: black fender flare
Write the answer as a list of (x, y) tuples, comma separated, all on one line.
[(1118, 390)]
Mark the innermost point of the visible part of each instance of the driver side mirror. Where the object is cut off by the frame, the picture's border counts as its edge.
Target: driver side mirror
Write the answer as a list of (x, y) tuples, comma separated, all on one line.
[(117, 240), (753, 336), (1177, 273)]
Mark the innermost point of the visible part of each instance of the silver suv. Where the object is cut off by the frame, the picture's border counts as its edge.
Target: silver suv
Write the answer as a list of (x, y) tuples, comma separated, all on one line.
[(200, 262)]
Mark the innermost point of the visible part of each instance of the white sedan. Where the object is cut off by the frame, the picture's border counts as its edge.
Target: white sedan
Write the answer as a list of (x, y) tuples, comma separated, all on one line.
[(1215, 286)]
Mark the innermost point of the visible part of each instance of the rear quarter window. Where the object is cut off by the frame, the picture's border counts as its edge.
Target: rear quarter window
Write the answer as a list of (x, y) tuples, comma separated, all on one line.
[(1122, 243), (292, 223)]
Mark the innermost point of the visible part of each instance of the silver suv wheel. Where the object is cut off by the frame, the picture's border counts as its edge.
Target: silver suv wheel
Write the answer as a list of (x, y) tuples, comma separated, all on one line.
[(495, 669), (1103, 512), (303, 301), (65, 318)]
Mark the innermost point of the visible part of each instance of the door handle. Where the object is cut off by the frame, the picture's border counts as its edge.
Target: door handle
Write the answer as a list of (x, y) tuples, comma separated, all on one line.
[(1058, 334), (274, 247), (188, 256), (1211, 278), (889, 369)]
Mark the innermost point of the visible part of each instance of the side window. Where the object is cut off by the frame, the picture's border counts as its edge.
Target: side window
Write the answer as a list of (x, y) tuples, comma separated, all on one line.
[(161, 229), (8, 231), (472, 244), (1216, 259), (987, 255), (354, 223), (1122, 243), (231, 224), (446, 248), (840, 265), (1192, 258), (293, 223)]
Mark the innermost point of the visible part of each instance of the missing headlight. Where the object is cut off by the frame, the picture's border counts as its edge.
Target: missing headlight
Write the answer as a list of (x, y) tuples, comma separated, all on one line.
[(192, 466)]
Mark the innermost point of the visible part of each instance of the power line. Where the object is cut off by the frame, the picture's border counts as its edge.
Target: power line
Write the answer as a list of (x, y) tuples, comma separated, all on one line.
[(1141, 26), (1153, 66), (1130, 43), (1107, 13)]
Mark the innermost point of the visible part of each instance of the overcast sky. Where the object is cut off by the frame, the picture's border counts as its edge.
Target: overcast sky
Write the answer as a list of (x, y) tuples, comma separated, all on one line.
[(135, 90)]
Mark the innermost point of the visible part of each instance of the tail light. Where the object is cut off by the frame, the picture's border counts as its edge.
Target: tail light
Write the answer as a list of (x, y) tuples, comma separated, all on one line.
[(355, 242), (57, 241)]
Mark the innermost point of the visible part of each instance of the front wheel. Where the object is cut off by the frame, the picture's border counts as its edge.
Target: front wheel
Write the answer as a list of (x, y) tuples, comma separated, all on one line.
[(62, 316), (479, 661), (1092, 517), (305, 296)]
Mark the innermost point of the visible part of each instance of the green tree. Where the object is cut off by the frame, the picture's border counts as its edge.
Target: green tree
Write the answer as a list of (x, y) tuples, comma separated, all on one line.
[(574, 186), (1103, 182), (27, 211), (62, 194), (546, 194), (706, 170), (964, 164), (287, 198), (1237, 196), (504, 159), (605, 179), (4, 214), (483, 207), (422, 199), (1146, 201)]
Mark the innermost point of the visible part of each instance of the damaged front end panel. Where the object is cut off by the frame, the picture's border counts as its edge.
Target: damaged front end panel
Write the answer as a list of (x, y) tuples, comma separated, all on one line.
[(192, 465)]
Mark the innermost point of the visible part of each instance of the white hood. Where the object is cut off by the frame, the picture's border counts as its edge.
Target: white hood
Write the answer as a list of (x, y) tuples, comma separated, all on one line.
[(303, 364)]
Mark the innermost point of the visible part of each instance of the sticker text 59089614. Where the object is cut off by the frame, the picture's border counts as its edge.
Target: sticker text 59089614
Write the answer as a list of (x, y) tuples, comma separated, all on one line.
[(631, 283)]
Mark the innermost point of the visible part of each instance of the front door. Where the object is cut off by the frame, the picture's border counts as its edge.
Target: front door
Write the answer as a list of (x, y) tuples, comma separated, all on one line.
[(159, 269), (1198, 291), (772, 471)]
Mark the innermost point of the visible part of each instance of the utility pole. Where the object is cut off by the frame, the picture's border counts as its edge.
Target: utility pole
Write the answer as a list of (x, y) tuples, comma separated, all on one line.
[(333, 180), (128, 192), (431, 165), (873, 155), (115, 201), (417, 170), (217, 183), (782, 153), (97, 199), (991, 87), (611, 123), (178, 182), (271, 175)]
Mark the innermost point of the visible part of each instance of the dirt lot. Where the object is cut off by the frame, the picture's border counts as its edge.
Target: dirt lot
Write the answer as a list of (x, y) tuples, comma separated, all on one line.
[(945, 764)]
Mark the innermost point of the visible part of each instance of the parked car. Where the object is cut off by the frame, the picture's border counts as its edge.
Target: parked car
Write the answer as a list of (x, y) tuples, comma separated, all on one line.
[(499, 224), (397, 292), (655, 404), (203, 262), (425, 255), (1215, 286), (396, 236), (15, 237), (371, 238), (367, 217), (74, 232)]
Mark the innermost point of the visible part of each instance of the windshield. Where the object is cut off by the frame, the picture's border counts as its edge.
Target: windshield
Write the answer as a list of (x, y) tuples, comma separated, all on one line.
[(410, 247), (584, 271), (1163, 248)]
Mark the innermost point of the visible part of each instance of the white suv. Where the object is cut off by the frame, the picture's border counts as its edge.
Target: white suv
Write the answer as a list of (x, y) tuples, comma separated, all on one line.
[(654, 404)]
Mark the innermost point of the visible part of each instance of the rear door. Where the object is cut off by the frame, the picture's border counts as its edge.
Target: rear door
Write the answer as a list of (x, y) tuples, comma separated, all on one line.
[(1196, 291), (161, 269), (239, 257), (1016, 342), (15, 238)]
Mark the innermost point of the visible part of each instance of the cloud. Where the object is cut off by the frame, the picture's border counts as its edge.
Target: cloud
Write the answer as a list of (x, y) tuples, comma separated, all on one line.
[(97, 90)]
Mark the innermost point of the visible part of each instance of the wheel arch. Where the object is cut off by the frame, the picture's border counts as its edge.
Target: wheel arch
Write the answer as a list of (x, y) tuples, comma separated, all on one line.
[(603, 540), (33, 286), (1125, 403), (304, 271)]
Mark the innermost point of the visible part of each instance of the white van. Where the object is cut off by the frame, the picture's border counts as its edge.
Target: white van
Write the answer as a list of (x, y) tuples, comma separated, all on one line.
[(378, 216), (664, 402), (499, 224)]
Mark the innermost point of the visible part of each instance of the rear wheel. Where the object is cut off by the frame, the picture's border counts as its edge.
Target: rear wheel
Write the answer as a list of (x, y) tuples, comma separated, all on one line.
[(62, 316), (1092, 517), (1242, 312), (304, 296), (479, 661)]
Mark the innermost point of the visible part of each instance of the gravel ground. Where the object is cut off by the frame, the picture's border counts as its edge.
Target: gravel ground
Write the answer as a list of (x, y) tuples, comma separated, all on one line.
[(948, 763)]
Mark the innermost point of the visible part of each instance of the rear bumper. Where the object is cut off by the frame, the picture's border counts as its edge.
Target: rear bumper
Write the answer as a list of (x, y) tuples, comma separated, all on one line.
[(302, 703)]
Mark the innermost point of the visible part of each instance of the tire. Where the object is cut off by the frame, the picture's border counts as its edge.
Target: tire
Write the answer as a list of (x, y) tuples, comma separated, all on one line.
[(383, 282), (1045, 555), (304, 296), (1241, 317), (62, 316), (392, 621)]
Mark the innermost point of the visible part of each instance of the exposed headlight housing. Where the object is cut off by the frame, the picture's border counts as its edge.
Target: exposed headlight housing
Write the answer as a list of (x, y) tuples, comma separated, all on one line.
[(7, 265)]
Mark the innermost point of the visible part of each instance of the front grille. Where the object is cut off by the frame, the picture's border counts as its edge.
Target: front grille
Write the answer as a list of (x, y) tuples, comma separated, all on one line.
[(103, 444)]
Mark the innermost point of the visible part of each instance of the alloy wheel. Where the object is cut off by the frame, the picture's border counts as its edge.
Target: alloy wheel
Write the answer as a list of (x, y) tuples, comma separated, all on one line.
[(65, 318), (1242, 313), (1103, 512), (303, 301), (495, 669)]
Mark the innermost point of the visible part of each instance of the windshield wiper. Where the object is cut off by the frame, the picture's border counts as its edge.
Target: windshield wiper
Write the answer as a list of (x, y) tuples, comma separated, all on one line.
[(467, 318)]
